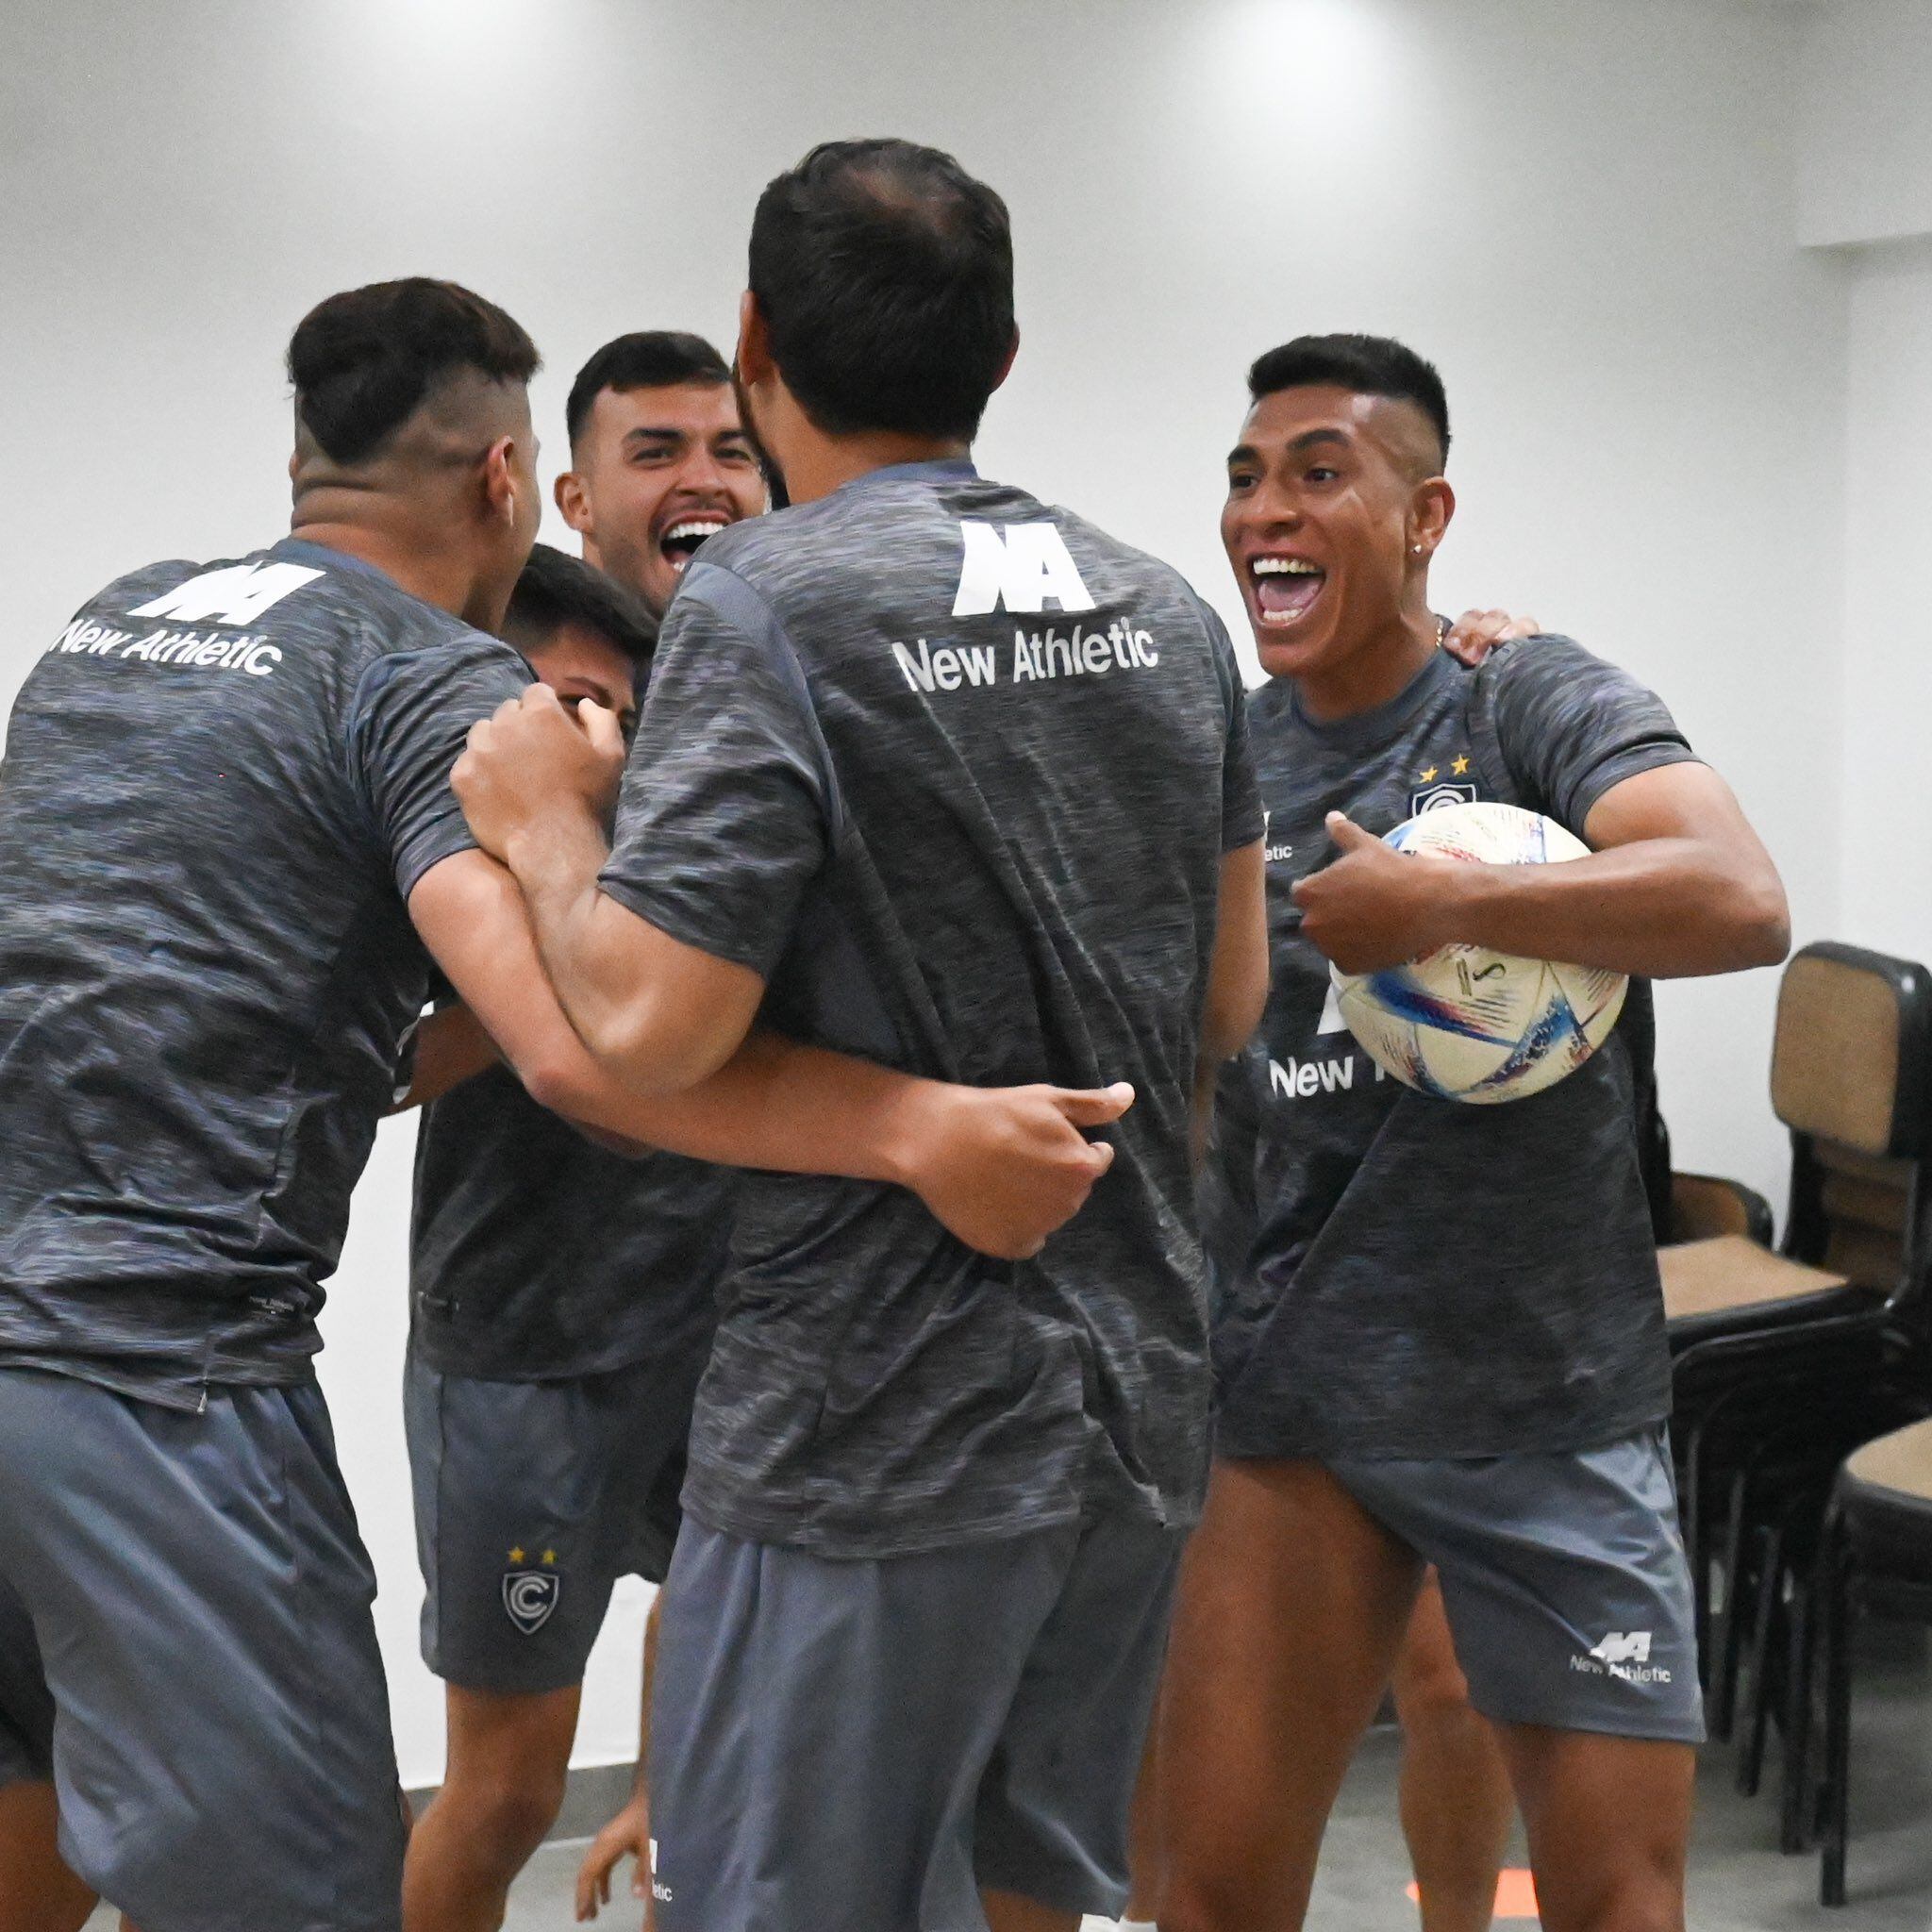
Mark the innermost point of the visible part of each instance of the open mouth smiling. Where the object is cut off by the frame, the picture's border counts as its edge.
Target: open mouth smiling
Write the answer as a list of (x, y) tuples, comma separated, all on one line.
[(1285, 586), (688, 536)]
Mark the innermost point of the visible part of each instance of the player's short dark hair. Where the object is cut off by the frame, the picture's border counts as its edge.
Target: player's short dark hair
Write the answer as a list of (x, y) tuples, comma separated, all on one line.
[(556, 589), (363, 362), (647, 359), (1369, 365), (884, 273)]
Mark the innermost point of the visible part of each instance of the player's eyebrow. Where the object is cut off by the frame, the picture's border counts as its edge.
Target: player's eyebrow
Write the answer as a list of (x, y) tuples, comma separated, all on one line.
[(1314, 439), (667, 433), (1244, 452)]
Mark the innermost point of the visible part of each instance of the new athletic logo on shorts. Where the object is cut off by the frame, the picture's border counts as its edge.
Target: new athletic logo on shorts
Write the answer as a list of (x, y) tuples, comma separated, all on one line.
[(530, 1596), (1624, 1654)]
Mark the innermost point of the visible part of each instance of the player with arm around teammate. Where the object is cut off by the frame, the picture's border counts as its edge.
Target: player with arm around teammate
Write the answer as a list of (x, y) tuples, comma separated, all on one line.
[(1448, 1346), (927, 764), (226, 834)]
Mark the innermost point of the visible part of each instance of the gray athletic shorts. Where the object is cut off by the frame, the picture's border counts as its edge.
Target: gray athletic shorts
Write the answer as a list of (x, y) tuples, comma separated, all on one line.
[(532, 1499), (1564, 1576), (862, 1746), (222, 1752)]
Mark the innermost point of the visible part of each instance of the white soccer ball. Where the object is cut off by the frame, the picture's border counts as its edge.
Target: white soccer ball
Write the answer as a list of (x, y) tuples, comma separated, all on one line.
[(1465, 1024)]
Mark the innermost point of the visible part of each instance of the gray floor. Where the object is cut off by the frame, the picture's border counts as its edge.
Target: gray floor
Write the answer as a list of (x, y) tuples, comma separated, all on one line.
[(1739, 1883)]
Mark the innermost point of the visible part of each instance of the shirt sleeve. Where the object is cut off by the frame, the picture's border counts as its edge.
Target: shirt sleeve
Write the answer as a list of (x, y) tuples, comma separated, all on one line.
[(728, 799), (1568, 727), (1241, 818), (407, 725)]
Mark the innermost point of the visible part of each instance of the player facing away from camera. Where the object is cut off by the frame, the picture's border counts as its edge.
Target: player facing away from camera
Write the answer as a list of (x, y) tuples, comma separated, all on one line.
[(226, 836), (659, 461), (929, 770), (1448, 1345), (561, 1307)]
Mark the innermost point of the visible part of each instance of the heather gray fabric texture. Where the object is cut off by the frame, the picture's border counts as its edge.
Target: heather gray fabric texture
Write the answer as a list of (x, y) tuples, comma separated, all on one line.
[(532, 1499), (1432, 1278), (538, 1256), (223, 1757), (984, 846), (218, 791), (1564, 1576), (852, 1745)]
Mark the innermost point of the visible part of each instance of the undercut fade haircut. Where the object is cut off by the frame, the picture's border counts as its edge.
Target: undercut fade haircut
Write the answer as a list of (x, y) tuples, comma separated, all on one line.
[(884, 273), (1367, 365), (649, 359), (361, 362), (556, 590)]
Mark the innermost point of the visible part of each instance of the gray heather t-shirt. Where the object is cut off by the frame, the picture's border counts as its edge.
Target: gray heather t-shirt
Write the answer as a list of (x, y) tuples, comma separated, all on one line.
[(536, 1255), (1432, 1279), (222, 781), (955, 772)]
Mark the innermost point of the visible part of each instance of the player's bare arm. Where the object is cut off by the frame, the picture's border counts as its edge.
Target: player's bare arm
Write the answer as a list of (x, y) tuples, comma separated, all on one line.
[(1237, 976), (537, 791), (1001, 1167), (1678, 884)]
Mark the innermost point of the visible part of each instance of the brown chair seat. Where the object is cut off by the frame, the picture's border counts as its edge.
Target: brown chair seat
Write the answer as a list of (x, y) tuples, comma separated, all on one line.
[(1900, 1462), (1709, 1282)]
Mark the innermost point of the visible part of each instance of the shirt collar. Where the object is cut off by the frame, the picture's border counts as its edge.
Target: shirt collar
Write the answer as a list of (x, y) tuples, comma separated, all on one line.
[(302, 551), (939, 470), (1366, 728)]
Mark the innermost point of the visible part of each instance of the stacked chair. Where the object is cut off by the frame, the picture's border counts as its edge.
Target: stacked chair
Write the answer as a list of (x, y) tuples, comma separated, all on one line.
[(1788, 1361)]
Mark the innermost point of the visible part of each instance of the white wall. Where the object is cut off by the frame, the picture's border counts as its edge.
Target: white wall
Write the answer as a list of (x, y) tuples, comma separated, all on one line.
[(1584, 213), (1865, 177)]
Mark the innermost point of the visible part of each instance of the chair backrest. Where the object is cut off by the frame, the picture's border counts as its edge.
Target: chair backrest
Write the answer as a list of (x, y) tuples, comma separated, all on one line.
[(1851, 1077)]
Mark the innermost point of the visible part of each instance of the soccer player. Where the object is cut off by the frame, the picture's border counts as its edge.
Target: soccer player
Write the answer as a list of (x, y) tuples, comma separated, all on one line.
[(929, 768), (660, 460), (226, 836), (561, 1306), (1449, 1346)]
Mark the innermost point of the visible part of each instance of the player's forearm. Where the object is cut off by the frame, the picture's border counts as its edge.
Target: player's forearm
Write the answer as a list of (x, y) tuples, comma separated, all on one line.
[(1663, 907), (774, 1105)]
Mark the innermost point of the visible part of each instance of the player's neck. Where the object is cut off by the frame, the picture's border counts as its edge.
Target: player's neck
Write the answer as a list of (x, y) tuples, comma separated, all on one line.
[(1375, 674), (424, 570), (818, 464)]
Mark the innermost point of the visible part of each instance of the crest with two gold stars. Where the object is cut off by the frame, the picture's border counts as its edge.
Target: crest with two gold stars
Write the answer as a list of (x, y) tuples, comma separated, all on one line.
[(531, 1588), (1442, 782)]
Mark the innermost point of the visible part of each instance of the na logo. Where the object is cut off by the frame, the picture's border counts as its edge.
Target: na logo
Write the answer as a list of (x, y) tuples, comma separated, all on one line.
[(1623, 1647), (237, 594), (1018, 566)]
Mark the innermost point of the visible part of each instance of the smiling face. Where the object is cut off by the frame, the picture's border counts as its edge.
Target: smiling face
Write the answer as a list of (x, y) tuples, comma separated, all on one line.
[(1335, 505), (656, 471)]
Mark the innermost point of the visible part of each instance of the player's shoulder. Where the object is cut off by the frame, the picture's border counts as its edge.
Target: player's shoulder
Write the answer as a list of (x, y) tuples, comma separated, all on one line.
[(1546, 663)]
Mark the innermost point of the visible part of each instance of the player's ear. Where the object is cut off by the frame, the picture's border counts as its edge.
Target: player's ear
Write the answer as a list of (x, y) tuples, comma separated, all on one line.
[(573, 501), (753, 343), (1006, 367), (1429, 511), (500, 485)]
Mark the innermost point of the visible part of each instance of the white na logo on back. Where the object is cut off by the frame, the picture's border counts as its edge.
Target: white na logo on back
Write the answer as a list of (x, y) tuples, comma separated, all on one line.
[(1018, 566), (237, 594)]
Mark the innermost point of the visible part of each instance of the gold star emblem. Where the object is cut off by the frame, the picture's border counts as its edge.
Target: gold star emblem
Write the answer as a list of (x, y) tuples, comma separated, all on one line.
[(550, 1556), (516, 1555), (1459, 765), (1428, 777)]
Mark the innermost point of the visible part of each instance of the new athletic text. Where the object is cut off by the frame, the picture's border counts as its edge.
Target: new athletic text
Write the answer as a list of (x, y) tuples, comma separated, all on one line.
[(1048, 653)]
